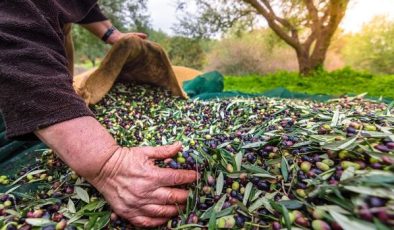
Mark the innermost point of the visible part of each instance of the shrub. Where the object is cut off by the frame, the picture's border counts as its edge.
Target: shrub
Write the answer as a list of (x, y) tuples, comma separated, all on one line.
[(258, 52)]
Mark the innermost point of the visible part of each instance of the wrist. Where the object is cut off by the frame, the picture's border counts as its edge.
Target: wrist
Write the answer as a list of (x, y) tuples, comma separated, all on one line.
[(114, 37), (82, 143)]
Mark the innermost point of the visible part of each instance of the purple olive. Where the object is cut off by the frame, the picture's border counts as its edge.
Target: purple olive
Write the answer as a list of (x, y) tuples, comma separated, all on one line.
[(376, 202), (382, 148)]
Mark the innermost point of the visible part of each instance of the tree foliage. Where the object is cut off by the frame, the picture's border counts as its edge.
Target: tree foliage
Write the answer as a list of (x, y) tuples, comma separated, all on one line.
[(306, 25), (372, 48), (186, 52), (257, 52), (126, 15)]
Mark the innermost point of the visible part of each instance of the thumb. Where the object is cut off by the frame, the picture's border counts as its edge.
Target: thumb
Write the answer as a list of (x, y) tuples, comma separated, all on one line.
[(164, 152)]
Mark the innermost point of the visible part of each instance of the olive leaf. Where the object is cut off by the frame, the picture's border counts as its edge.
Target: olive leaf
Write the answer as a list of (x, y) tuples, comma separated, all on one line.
[(284, 169), (254, 145), (219, 205), (340, 145), (102, 221), (350, 224), (379, 192), (348, 173), (82, 194), (335, 118), (291, 204), (248, 190), (71, 206), (219, 184), (238, 160), (212, 222), (35, 172), (254, 169), (39, 222)]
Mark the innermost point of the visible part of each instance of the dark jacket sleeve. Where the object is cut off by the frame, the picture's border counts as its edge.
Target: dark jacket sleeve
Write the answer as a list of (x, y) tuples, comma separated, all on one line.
[(35, 85), (95, 15)]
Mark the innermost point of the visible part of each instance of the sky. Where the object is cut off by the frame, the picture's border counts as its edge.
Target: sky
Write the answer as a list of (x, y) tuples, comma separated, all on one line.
[(163, 13)]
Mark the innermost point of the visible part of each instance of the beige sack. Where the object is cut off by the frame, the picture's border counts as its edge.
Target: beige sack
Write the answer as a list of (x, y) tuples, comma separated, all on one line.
[(132, 59)]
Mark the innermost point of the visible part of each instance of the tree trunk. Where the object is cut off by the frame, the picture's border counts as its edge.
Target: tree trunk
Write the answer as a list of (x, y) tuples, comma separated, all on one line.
[(306, 64)]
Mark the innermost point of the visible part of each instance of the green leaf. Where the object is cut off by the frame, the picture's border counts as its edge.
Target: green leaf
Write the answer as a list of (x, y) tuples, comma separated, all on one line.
[(300, 144), (92, 221), (28, 173), (223, 145), (264, 175), (248, 189), (334, 208), (219, 184), (335, 118), (284, 169), (348, 224), (71, 206), (286, 216), (258, 204), (379, 192), (381, 179), (219, 205), (207, 214), (39, 222), (212, 222), (254, 145), (291, 204), (379, 225), (254, 169), (189, 226), (190, 202), (12, 189), (225, 212), (13, 213), (374, 134), (348, 173), (340, 145), (82, 194), (102, 221), (89, 207), (282, 209), (238, 160)]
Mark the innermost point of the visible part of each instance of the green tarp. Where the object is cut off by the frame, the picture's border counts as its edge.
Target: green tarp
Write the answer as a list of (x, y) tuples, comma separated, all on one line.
[(210, 86)]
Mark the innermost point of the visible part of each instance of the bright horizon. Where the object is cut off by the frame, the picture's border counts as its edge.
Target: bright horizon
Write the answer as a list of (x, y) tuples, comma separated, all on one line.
[(359, 12)]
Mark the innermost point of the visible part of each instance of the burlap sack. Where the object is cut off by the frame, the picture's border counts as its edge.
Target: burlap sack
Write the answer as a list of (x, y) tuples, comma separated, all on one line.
[(130, 59)]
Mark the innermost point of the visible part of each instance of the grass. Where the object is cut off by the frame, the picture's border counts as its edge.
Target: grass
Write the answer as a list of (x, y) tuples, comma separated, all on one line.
[(337, 83)]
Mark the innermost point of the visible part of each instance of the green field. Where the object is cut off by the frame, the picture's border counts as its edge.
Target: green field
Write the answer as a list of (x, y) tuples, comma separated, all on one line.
[(335, 83)]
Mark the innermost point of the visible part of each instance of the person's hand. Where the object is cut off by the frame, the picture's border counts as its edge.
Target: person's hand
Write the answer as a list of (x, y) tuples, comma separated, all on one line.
[(139, 191), (132, 184), (117, 35)]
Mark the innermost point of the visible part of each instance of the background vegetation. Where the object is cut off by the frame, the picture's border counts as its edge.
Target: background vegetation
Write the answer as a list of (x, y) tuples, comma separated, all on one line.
[(337, 83), (256, 59)]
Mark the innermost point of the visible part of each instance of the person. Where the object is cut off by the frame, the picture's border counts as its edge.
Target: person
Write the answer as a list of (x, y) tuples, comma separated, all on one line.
[(37, 100)]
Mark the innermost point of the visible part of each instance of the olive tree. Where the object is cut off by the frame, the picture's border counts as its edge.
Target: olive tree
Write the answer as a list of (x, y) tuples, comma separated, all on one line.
[(372, 48), (305, 25)]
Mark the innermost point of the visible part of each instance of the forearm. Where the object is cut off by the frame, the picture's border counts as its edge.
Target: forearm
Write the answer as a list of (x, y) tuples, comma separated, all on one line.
[(99, 29), (82, 143)]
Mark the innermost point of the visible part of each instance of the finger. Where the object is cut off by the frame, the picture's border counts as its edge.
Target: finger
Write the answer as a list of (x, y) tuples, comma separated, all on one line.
[(148, 222), (159, 211), (170, 177), (170, 196), (163, 152), (142, 35)]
